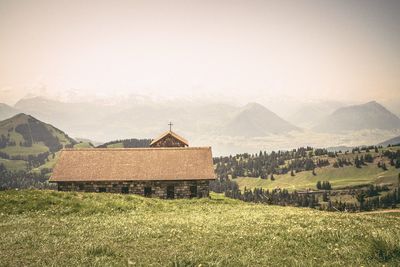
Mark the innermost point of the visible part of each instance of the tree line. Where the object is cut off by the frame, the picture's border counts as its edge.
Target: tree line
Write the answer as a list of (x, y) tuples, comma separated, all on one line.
[(129, 143), (368, 198), (266, 165), (23, 179)]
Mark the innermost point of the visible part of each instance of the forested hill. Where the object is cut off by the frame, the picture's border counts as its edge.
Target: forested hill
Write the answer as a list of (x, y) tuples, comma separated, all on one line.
[(265, 165), (24, 138)]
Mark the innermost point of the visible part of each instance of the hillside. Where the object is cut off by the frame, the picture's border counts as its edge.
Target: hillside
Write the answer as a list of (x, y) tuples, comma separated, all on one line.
[(371, 115), (116, 230), (338, 177), (24, 138), (256, 120), (392, 141)]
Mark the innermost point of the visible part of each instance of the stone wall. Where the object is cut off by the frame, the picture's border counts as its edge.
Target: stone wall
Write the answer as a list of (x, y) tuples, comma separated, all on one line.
[(181, 189)]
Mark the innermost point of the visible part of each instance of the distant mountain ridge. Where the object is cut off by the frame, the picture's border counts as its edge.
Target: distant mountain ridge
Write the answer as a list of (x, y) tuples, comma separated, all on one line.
[(143, 120), (371, 115), (311, 114), (220, 124), (256, 120), (7, 111), (392, 141)]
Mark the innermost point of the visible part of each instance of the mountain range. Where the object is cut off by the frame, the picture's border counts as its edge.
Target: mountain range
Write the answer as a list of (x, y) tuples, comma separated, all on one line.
[(143, 118), (146, 119), (371, 115)]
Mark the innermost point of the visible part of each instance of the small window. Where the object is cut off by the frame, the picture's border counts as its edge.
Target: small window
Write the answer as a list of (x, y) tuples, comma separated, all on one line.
[(125, 190), (193, 191), (102, 190), (147, 191), (170, 192), (81, 187)]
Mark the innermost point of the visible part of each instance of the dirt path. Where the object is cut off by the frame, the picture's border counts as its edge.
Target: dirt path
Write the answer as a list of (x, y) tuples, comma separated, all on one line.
[(383, 211)]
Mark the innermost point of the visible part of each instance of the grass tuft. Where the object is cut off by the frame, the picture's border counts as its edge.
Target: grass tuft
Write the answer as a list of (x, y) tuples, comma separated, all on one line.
[(100, 251), (385, 249)]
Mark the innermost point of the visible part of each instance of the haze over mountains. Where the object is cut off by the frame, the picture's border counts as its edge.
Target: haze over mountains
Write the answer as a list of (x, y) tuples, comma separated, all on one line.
[(6, 111), (371, 115), (255, 120), (309, 114), (229, 128)]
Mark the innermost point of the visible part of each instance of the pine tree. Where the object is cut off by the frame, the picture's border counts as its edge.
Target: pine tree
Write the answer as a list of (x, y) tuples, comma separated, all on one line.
[(360, 196), (328, 185), (319, 185), (357, 162), (272, 177), (325, 197), (384, 166)]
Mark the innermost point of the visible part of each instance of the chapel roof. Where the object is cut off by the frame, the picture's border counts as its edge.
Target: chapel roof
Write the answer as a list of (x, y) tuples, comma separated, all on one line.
[(134, 164), (173, 134)]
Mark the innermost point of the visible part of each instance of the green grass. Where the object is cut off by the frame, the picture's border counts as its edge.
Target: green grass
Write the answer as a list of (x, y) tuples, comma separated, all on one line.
[(116, 145), (49, 164), (35, 149), (83, 145), (14, 165), (43, 228), (338, 177)]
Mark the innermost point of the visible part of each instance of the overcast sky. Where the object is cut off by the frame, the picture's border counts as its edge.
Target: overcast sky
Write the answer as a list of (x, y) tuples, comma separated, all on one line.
[(336, 50)]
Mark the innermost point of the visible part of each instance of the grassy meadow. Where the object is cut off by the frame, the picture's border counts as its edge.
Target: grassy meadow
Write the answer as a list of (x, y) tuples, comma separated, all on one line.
[(72, 229), (14, 165), (338, 177)]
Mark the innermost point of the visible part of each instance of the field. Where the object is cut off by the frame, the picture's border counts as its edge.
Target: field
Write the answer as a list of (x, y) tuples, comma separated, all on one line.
[(25, 151), (73, 229), (338, 177), (14, 165), (83, 145)]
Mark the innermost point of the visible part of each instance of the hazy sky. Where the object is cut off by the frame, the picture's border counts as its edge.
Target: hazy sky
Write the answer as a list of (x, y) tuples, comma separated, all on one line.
[(335, 50)]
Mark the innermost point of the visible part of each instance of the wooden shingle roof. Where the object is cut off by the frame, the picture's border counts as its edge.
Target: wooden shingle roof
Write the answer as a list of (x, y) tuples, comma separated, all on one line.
[(130, 164)]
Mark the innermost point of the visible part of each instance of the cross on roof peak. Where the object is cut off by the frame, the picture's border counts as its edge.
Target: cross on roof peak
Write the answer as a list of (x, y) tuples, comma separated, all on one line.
[(170, 126)]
